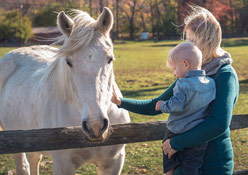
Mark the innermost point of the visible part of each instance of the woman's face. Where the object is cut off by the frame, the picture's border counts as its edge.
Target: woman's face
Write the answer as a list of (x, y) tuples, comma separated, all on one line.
[(190, 36)]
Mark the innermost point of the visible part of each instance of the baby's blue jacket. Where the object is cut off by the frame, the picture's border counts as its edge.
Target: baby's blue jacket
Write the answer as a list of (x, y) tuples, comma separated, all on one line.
[(189, 104)]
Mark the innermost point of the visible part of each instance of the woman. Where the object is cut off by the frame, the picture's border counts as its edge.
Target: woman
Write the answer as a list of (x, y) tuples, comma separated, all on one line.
[(202, 28)]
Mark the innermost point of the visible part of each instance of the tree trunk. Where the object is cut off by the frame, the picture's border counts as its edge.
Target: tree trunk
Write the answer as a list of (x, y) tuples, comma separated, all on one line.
[(232, 17), (158, 16), (131, 20), (100, 5), (131, 29), (143, 22), (117, 19), (90, 7), (152, 20)]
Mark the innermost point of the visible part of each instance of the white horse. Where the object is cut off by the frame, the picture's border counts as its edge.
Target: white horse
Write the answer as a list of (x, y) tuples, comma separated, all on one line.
[(45, 87)]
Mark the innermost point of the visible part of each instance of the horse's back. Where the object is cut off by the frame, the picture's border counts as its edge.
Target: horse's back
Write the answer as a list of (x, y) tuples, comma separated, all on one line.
[(26, 59), (20, 70), (26, 56)]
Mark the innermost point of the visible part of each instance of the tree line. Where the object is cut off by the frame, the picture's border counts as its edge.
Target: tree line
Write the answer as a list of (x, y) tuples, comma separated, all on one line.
[(163, 19)]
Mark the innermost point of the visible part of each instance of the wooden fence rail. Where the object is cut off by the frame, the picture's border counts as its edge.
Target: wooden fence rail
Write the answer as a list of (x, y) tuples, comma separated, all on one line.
[(17, 141)]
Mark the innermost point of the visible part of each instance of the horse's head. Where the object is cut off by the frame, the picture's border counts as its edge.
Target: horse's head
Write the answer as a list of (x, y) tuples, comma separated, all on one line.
[(88, 52)]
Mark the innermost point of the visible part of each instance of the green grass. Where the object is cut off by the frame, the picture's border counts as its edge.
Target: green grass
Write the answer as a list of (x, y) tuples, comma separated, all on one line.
[(4, 50), (141, 73)]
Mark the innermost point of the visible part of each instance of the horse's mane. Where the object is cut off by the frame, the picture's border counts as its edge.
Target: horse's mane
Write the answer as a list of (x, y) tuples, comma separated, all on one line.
[(58, 74)]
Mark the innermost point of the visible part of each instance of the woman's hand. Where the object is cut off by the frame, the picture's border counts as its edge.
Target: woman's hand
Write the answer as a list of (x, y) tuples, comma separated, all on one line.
[(167, 148), (115, 99), (157, 108)]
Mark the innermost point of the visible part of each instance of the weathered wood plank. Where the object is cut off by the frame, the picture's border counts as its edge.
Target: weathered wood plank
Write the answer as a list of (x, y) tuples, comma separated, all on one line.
[(245, 172), (239, 122), (72, 137)]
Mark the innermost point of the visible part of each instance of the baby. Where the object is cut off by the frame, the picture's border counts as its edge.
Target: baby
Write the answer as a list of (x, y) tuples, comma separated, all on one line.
[(188, 106)]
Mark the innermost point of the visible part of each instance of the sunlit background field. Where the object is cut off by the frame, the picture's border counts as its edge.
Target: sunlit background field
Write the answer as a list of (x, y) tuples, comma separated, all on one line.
[(141, 73)]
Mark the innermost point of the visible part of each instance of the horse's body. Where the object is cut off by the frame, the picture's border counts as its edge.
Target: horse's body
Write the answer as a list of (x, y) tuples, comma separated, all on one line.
[(45, 87)]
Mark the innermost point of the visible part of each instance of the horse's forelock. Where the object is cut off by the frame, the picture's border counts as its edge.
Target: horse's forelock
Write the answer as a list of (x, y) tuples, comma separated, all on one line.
[(82, 34)]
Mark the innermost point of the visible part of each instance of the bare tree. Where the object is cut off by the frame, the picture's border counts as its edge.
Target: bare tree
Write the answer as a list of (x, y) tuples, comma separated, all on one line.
[(130, 14), (143, 21), (117, 18), (152, 14), (100, 5), (156, 19), (90, 7), (232, 16)]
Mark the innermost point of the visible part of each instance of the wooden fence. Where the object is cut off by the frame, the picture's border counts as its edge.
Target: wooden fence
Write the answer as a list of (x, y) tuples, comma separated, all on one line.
[(17, 141)]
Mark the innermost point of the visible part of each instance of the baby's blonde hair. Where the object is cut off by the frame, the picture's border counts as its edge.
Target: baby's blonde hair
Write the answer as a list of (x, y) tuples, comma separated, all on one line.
[(185, 51), (207, 32)]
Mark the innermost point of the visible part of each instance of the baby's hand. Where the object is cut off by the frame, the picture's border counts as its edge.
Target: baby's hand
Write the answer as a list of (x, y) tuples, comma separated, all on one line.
[(157, 108)]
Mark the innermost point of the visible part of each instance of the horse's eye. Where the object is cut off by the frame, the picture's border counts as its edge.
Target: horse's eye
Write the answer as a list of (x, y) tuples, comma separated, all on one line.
[(68, 61), (110, 59)]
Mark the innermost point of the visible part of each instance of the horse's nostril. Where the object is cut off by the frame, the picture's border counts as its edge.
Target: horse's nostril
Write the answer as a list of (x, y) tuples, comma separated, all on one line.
[(105, 124), (85, 128), (95, 130)]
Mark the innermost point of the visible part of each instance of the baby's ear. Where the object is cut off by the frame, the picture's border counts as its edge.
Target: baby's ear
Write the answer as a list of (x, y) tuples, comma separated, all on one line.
[(186, 63)]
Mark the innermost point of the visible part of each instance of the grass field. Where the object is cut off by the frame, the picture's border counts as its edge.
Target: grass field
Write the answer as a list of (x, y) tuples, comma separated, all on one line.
[(141, 73)]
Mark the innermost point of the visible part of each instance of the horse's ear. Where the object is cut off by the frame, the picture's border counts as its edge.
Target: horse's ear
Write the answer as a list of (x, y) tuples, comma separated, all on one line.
[(105, 21), (65, 23)]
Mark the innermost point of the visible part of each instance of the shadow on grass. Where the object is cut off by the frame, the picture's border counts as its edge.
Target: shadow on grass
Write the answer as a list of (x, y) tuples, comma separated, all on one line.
[(234, 43), (151, 91), (141, 92), (243, 81), (225, 43), (163, 45), (243, 86)]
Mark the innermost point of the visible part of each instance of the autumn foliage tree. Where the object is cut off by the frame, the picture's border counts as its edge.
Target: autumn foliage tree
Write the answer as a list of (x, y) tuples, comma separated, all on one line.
[(161, 18), (164, 19), (232, 14), (15, 28)]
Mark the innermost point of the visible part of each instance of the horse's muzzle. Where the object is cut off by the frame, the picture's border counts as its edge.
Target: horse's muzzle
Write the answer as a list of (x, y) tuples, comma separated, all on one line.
[(95, 131)]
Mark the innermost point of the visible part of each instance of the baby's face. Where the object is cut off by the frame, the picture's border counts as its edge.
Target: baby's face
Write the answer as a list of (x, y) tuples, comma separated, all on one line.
[(180, 68)]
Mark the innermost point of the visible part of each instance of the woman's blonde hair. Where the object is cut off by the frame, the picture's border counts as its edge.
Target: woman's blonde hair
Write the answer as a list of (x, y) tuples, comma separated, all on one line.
[(185, 51), (207, 32)]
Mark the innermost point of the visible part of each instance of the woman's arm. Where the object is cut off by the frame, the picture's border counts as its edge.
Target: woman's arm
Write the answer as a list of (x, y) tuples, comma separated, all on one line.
[(220, 115), (146, 107)]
